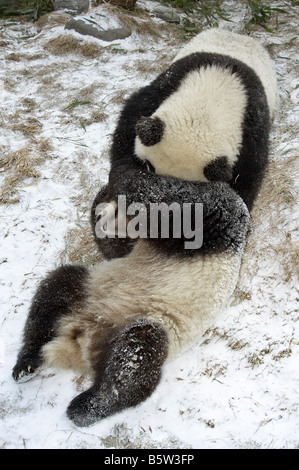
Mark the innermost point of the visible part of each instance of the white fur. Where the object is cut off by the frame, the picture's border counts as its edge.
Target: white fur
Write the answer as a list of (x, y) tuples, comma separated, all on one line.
[(203, 121), (243, 48), (184, 295)]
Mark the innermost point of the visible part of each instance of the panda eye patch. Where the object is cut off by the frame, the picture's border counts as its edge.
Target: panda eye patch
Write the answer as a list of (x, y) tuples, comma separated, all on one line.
[(150, 130), (218, 170)]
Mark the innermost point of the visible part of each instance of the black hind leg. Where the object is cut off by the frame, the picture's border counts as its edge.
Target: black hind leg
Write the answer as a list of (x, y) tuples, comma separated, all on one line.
[(127, 376), (55, 297)]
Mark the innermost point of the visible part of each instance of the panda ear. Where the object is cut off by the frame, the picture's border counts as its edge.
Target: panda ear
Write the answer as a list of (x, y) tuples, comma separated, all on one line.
[(218, 170), (150, 130)]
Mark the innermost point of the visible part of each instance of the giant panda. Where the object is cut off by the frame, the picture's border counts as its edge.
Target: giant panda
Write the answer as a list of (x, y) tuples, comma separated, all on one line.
[(121, 319)]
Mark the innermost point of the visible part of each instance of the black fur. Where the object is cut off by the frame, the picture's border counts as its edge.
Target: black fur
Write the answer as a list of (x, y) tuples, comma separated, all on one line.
[(219, 170), (56, 296), (127, 375), (150, 130), (225, 216)]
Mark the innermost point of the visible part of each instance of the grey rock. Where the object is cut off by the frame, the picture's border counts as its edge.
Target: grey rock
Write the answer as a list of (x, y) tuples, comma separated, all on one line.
[(73, 7), (166, 14), (89, 27)]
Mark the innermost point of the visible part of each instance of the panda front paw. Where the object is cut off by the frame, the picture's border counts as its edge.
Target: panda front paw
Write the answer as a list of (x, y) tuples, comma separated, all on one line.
[(106, 210), (110, 221), (25, 368), (105, 216)]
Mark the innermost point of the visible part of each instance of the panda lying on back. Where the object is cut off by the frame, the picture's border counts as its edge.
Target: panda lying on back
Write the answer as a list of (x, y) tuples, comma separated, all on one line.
[(120, 320)]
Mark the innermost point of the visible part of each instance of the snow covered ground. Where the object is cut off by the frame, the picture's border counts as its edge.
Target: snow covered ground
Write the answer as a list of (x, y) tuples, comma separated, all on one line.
[(60, 95)]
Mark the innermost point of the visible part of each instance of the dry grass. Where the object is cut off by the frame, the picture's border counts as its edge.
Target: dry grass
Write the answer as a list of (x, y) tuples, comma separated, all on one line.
[(147, 67), (80, 247), (19, 57), (140, 21), (52, 20), (20, 165), (278, 197), (45, 147), (30, 126), (97, 116), (28, 105), (67, 44), (279, 184)]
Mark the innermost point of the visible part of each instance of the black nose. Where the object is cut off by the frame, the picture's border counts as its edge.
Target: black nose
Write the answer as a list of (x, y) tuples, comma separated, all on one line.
[(150, 130)]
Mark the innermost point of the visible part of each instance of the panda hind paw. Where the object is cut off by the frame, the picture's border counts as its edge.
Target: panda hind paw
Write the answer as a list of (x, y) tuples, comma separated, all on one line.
[(87, 408)]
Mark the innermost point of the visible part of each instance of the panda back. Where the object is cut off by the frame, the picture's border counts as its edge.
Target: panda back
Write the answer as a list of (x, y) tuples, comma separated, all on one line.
[(242, 48)]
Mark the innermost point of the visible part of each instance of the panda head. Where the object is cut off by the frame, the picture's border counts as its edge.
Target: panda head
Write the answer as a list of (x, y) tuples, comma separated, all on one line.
[(171, 151)]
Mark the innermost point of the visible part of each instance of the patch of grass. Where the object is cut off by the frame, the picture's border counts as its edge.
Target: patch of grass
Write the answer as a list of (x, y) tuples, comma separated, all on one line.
[(44, 146), (148, 67), (80, 247), (239, 296), (75, 104), (260, 13), (17, 57), (29, 127), (93, 112), (67, 44), (140, 21), (277, 198), (284, 353), (203, 13), (264, 13), (227, 336), (256, 359), (18, 166), (97, 116), (200, 13)]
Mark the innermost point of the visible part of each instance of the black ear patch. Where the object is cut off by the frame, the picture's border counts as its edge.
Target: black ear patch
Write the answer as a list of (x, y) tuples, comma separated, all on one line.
[(150, 130), (218, 170)]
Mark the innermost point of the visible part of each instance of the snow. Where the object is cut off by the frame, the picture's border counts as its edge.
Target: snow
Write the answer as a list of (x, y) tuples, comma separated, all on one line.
[(236, 388)]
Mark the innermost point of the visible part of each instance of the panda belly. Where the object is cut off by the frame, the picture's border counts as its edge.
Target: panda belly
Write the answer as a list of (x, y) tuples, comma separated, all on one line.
[(182, 295)]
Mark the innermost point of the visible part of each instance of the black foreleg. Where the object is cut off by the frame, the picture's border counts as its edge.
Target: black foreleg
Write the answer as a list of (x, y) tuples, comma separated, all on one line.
[(126, 377), (55, 297)]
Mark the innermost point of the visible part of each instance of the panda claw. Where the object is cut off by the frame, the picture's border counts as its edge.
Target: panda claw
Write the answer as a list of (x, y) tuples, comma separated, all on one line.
[(24, 372), (108, 211)]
